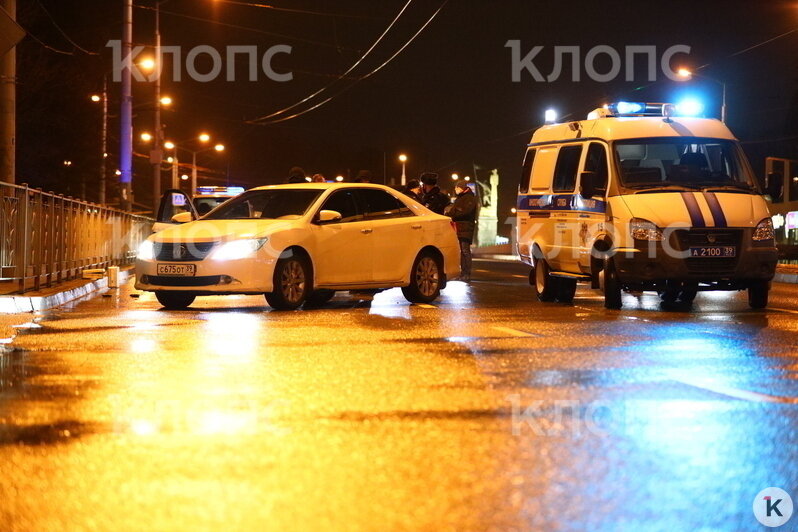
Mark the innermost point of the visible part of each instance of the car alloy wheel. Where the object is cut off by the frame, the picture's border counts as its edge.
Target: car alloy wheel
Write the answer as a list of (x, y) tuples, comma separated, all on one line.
[(292, 282), (427, 277)]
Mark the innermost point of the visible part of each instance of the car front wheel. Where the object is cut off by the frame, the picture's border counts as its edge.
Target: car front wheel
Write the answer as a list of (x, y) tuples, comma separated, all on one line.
[(174, 300), (426, 280), (758, 292), (292, 284)]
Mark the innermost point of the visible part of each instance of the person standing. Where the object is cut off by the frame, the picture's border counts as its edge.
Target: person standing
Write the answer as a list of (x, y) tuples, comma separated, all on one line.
[(464, 214), (431, 195), (318, 178), (296, 175), (413, 190)]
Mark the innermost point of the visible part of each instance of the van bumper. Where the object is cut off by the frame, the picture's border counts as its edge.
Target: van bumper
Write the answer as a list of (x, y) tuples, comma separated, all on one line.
[(655, 265)]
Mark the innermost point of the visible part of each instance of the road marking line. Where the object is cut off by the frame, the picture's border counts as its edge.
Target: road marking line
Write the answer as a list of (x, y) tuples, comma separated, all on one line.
[(783, 310), (424, 305), (513, 332), (737, 393)]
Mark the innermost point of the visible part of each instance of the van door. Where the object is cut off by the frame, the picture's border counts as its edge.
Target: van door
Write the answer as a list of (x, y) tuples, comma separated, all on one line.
[(535, 225), (592, 210), (173, 202), (565, 219)]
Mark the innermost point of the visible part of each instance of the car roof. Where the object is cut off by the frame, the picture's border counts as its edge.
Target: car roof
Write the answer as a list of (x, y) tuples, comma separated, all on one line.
[(324, 186), (622, 128)]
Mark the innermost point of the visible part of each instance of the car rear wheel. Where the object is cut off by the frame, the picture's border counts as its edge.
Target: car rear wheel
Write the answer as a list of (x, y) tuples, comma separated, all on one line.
[(426, 279), (566, 290), (174, 300), (319, 297), (758, 292), (292, 284)]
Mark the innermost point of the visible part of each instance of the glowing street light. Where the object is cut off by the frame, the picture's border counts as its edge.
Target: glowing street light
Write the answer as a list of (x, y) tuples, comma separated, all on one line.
[(147, 64), (184, 177), (204, 137), (219, 147), (67, 163), (403, 160), (169, 145), (455, 177), (467, 178), (96, 98), (166, 101), (146, 137), (339, 178)]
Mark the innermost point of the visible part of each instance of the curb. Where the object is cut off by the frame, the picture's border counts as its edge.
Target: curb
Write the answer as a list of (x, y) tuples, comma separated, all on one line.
[(23, 304)]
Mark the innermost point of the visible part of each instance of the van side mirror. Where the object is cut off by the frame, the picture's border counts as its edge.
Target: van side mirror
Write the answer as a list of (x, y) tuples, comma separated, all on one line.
[(774, 185), (182, 218), (329, 216), (587, 184)]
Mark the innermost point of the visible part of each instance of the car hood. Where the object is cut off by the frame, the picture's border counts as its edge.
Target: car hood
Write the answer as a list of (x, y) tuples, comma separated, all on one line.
[(222, 230), (697, 209)]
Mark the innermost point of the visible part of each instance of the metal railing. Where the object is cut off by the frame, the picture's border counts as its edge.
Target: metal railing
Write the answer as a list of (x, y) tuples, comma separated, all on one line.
[(47, 238)]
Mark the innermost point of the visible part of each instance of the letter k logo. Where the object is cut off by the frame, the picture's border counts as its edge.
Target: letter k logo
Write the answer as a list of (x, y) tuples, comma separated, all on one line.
[(772, 506)]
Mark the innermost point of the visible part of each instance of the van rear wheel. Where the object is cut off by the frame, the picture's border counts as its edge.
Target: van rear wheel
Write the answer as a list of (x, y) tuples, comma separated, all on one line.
[(545, 285), (566, 290)]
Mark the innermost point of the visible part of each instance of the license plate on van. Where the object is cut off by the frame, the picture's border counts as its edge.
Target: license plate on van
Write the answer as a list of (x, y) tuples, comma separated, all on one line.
[(177, 270), (720, 252)]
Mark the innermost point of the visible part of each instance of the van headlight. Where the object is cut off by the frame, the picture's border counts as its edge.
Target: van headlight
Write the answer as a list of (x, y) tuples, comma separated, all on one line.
[(238, 249), (146, 251), (644, 230), (764, 231)]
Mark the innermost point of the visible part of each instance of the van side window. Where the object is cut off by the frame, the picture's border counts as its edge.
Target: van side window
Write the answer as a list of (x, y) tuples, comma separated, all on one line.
[(565, 171), (597, 162), (526, 173)]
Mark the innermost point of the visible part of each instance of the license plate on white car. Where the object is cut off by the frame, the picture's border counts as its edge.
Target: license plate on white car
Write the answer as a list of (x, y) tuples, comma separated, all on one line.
[(721, 252), (177, 270)]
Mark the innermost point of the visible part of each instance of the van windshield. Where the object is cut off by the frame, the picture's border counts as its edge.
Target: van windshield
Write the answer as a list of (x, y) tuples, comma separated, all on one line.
[(683, 163)]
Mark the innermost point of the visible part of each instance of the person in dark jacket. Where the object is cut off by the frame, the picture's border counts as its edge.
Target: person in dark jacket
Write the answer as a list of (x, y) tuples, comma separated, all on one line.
[(464, 214), (431, 196), (296, 175), (413, 189)]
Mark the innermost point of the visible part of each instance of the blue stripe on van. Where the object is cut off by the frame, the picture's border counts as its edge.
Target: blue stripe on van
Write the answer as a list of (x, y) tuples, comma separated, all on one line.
[(560, 202), (696, 218), (717, 210)]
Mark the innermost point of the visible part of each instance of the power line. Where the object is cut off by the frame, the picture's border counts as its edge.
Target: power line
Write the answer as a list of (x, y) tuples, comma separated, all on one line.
[(246, 28), (293, 10), (323, 102), (351, 68), (67, 37)]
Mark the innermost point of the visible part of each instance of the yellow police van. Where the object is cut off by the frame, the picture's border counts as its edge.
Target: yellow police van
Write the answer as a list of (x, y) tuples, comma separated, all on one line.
[(642, 197)]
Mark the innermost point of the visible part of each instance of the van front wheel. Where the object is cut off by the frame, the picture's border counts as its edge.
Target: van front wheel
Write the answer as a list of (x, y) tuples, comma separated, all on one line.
[(545, 285), (612, 286), (758, 294)]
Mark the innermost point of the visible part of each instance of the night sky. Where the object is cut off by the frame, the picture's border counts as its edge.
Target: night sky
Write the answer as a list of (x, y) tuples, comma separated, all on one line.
[(448, 100)]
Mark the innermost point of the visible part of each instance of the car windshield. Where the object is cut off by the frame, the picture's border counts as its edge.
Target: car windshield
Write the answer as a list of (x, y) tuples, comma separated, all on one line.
[(682, 164), (272, 204)]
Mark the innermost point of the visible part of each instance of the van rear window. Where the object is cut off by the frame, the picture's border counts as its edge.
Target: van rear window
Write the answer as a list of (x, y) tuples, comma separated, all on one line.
[(526, 173), (567, 166)]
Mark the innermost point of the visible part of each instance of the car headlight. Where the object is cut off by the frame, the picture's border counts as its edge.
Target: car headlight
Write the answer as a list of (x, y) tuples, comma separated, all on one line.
[(644, 230), (238, 249), (146, 251), (764, 231)]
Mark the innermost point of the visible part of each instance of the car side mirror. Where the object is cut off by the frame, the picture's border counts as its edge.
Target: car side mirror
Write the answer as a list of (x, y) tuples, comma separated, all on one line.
[(774, 185), (587, 184), (326, 217), (182, 218)]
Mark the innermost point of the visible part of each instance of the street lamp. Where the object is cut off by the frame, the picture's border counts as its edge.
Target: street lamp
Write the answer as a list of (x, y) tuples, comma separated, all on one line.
[(455, 177), (97, 98), (166, 101), (169, 145), (339, 178), (685, 74), (204, 137), (403, 160), (146, 137)]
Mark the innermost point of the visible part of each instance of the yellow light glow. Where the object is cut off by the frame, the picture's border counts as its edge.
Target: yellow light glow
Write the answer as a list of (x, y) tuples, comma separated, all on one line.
[(184, 177), (403, 158), (684, 73), (166, 101), (204, 137), (339, 178), (147, 64), (95, 98), (455, 177), (219, 147), (146, 137), (169, 145), (170, 159)]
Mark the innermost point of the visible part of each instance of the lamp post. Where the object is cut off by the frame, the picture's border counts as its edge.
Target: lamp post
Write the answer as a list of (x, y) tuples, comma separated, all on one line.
[(686, 75), (97, 98), (403, 160), (126, 113)]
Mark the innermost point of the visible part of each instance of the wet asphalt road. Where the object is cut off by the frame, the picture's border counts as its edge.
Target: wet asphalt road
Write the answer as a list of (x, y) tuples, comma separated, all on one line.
[(487, 411)]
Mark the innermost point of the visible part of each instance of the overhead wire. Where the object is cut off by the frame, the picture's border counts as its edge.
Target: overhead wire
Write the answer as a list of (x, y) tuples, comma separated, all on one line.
[(366, 76), (62, 32)]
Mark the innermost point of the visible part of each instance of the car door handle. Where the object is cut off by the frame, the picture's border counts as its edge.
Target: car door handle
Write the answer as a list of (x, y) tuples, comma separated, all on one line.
[(417, 226), (367, 231)]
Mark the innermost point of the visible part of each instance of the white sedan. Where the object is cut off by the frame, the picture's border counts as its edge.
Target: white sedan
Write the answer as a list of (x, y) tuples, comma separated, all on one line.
[(300, 243)]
